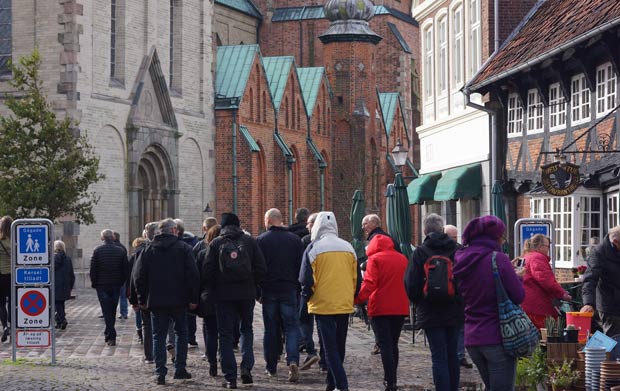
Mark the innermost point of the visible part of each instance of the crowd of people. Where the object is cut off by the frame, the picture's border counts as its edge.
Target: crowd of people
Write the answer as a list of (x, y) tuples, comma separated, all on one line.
[(305, 275)]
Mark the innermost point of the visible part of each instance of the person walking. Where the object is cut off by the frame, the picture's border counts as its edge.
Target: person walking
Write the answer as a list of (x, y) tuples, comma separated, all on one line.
[(301, 221), (206, 307), (192, 241), (330, 279), (541, 287), (167, 283), (5, 275), (601, 282), (109, 269), (206, 226), (233, 270), (440, 316), (64, 278), (483, 238), (282, 251), (387, 300)]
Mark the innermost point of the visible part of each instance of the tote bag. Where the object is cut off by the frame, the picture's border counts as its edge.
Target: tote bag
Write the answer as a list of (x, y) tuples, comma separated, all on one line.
[(519, 335)]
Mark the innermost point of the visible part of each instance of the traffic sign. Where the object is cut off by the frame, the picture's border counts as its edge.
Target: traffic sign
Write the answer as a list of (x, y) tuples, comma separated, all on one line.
[(32, 275), (32, 245), (33, 310), (529, 230), (33, 338)]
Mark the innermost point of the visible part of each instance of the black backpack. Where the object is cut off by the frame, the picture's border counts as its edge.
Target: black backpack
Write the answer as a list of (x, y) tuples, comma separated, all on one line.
[(439, 286), (234, 261)]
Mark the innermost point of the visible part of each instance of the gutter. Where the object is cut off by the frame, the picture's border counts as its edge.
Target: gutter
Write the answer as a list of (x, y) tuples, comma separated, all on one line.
[(543, 57)]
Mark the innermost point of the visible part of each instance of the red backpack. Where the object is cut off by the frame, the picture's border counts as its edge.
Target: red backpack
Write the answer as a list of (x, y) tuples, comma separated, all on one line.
[(439, 284)]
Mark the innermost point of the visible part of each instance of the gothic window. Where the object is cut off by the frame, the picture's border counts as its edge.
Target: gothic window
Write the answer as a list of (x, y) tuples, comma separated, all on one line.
[(258, 110), (6, 35), (117, 39), (251, 105), (176, 43), (264, 107), (286, 113), (298, 115), (319, 119)]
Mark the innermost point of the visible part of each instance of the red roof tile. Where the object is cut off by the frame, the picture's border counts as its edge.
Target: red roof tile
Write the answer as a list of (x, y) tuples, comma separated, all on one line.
[(552, 24)]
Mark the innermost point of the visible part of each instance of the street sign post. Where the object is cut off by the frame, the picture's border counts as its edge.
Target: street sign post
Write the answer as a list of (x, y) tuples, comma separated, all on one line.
[(526, 228), (32, 291)]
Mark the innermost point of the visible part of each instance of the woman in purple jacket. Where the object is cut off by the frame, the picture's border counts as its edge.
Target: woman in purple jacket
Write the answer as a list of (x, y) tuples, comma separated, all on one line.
[(473, 270)]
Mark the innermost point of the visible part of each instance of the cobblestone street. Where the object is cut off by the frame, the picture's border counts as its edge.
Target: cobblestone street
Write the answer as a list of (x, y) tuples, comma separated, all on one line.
[(84, 362)]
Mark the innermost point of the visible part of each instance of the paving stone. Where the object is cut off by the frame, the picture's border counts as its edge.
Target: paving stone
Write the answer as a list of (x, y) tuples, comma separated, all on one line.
[(84, 362)]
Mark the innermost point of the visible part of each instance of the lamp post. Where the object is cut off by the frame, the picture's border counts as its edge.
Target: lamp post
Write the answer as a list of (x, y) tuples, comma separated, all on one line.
[(399, 154), (208, 210)]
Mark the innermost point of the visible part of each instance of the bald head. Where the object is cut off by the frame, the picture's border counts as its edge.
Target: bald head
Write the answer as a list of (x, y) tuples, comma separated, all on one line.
[(370, 222), (273, 217), (451, 231)]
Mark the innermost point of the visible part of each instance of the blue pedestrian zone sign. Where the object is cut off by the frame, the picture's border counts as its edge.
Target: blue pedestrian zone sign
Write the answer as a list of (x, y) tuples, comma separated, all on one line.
[(529, 230), (32, 245)]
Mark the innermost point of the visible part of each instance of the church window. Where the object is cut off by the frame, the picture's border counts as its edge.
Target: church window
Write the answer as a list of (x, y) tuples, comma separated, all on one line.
[(6, 35), (175, 61), (117, 39), (264, 107)]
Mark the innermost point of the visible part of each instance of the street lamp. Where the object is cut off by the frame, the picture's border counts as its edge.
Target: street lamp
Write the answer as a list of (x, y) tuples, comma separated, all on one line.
[(399, 154), (208, 210)]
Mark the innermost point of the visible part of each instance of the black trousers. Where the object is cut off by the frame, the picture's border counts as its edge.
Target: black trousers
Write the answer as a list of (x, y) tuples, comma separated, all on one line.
[(387, 332)]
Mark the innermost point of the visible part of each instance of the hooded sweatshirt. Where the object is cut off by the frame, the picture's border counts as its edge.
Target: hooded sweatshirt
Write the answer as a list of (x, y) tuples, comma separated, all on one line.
[(329, 271), (382, 285), (473, 270), (165, 274)]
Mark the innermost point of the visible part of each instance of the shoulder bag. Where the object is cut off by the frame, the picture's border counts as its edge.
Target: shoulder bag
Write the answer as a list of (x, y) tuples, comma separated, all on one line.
[(519, 335)]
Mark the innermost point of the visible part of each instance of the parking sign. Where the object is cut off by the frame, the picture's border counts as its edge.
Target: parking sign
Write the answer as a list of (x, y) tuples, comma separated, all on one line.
[(32, 245)]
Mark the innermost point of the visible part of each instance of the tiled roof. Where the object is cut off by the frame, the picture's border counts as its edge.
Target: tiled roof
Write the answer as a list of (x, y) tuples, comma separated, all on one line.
[(277, 70), (388, 102), (234, 64), (245, 6), (245, 132), (310, 81), (551, 25)]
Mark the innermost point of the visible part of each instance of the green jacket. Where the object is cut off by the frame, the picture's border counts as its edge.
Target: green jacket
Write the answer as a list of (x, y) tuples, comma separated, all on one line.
[(5, 259)]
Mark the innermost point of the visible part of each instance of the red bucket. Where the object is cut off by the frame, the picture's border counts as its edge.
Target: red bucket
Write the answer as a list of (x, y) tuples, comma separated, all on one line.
[(582, 322)]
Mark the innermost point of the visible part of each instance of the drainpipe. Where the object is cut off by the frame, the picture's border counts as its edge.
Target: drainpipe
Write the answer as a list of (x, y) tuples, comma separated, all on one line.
[(234, 160), (322, 185), (289, 165)]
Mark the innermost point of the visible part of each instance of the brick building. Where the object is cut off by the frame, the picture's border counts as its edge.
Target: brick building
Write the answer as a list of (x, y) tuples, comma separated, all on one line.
[(554, 87), (314, 108), (136, 78)]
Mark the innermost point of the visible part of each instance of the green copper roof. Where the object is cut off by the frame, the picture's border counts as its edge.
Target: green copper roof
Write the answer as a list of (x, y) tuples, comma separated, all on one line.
[(388, 102), (310, 81), (282, 144), (245, 132), (234, 64), (316, 153), (245, 6), (277, 70), (288, 14)]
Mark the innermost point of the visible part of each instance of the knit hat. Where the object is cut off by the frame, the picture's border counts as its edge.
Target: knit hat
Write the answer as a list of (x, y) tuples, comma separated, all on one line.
[(229, 219), (485, 226)]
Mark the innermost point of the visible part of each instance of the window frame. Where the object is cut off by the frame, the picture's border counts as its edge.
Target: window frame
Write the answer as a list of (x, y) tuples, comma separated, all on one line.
[(514, 125), (557, 107), (457, 46), (429, 63), (580, 99), (5, 70), (443, 78), (535, 111), (606, 89), (475, 37)]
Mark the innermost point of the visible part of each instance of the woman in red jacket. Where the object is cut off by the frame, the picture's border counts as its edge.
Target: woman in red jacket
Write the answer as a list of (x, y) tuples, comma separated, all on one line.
[(387, 301), (540, 285)]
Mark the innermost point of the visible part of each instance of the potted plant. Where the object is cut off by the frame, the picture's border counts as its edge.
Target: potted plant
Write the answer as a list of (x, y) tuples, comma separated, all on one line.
[(581, 269), (551, 325), (571, 334), (532, 371), (562, 376)]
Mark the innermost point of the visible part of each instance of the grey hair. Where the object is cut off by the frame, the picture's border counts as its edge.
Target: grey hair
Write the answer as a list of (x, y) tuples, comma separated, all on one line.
[(150, 230), (273, 214), (166, 226), (375, 219), (107, 235), (59, 246), (433, 223), (614, 233), (180, 226)]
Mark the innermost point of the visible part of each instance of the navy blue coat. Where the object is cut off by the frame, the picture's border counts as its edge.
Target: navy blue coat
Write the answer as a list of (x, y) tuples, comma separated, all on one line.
[(63, 276)]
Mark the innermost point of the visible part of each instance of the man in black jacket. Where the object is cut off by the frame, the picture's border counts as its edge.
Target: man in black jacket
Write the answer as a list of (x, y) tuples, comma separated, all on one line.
[(234, 293), (167, 283), (601, 283), (301, 220), (441, 320), (282, 251), (108, 272)]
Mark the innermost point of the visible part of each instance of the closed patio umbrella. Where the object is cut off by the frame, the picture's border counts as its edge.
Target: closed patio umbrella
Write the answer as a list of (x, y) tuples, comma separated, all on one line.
[(403, 217), (358, 210)]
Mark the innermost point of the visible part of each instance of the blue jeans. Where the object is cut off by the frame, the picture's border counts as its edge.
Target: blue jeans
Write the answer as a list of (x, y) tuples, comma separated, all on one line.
[(124, 305), (108, 299), (333, 329), (387, 332), (496, 368), (443, 342), (280, 310), (191, 327), (138, 320), (460, 350), (160, 319), (228, 314), (60, 311), (306, 329), (147, 333)]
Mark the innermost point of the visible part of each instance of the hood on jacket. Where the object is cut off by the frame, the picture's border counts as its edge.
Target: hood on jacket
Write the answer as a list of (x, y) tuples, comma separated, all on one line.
[(439, 242), (485, 227), (232, 231), (164, 241), (325, 224), (380, 243)]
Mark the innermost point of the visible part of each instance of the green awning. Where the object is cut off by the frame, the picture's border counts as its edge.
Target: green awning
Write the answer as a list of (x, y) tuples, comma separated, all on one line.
[(460, 182), (423, 188)]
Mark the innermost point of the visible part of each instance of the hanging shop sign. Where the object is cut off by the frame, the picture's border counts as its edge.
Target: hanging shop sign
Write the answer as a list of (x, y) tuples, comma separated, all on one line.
[(560, 178)]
